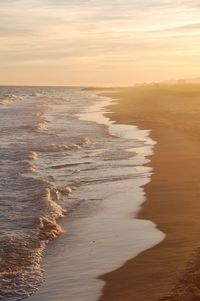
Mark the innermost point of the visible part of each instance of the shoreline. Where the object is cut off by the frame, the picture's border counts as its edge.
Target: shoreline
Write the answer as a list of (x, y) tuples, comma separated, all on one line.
[(107, 227), (165, 272)]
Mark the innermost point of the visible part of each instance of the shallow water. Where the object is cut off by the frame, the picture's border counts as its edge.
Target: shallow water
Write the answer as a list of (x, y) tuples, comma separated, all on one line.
[(61, 156)]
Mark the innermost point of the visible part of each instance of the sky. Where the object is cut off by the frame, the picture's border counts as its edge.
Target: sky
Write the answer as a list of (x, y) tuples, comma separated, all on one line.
[(98, 42)]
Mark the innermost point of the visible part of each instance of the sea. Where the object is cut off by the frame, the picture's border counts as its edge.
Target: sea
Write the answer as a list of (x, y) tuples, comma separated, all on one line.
[(71, 185)]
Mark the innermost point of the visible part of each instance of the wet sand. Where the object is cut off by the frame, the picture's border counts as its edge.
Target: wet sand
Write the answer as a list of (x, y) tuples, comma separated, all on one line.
[(173, 196)]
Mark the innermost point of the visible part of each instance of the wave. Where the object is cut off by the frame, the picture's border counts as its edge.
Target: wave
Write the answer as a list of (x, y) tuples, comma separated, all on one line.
[(47, 223), (53, 147), (86, 140), (36, 114), (32, 156), (37, 94), (43, 126), (20, 255), (28, 167), (8, 100), (20, 269), (57, 147)]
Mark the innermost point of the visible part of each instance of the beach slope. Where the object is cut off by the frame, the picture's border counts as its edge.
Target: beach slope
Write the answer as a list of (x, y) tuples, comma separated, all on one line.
[(170, 270)]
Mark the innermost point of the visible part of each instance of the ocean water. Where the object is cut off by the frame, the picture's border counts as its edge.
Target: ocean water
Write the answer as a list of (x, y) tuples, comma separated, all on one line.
[(68, 171)]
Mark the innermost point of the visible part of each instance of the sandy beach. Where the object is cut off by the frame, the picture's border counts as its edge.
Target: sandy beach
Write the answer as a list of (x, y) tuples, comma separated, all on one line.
[(128, 176), (170, 270)]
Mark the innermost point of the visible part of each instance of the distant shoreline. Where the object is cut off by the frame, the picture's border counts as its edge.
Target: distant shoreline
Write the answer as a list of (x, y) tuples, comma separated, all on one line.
[(186, 81)]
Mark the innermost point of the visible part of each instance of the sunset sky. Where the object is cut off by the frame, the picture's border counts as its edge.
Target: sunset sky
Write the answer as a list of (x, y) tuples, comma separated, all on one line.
[(98, 42)]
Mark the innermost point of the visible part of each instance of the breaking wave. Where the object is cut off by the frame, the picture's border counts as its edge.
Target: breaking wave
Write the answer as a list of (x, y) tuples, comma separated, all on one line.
[(8, 99), (21, 253)]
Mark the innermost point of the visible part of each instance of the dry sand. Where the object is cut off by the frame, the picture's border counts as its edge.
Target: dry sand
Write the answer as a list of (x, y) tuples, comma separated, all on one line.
[(173, 196)]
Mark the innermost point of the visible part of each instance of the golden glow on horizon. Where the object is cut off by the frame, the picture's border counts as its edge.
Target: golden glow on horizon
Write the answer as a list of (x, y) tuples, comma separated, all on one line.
[(80, 42)]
